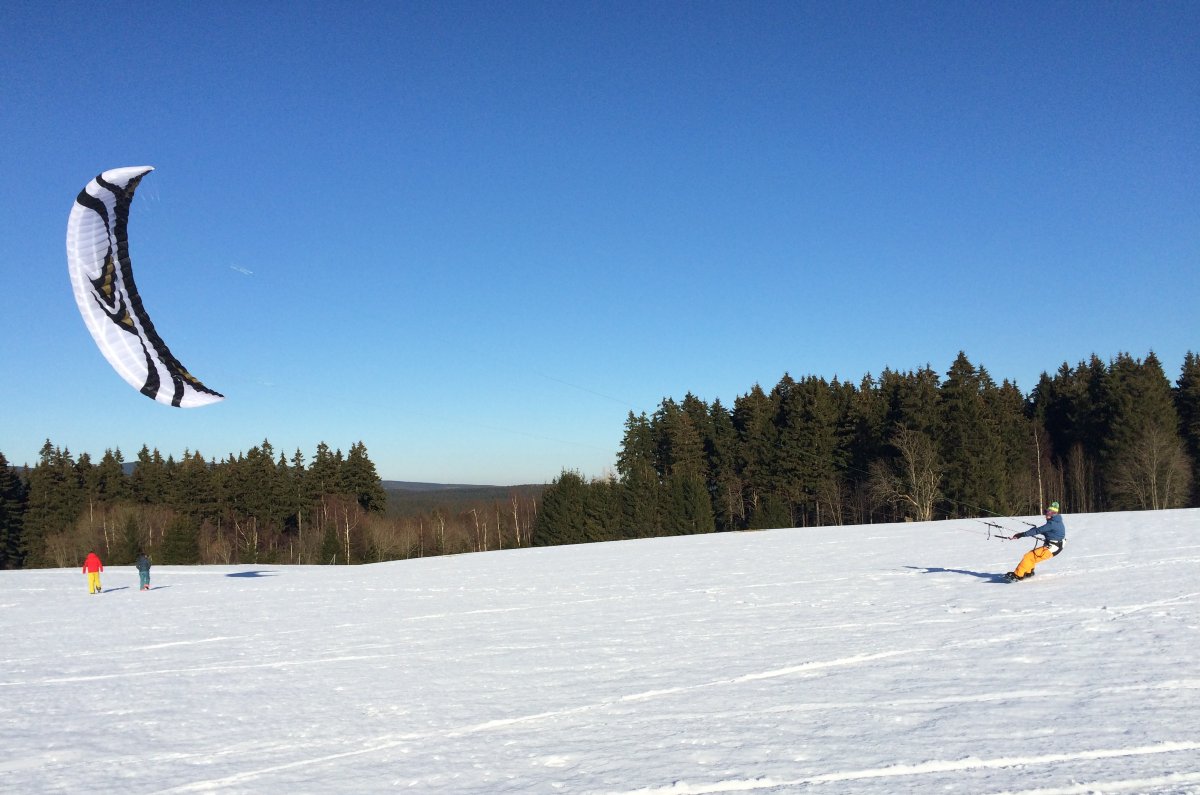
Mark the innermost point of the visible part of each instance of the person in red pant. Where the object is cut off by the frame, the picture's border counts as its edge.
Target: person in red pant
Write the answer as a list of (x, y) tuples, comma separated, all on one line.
[(92, 568)]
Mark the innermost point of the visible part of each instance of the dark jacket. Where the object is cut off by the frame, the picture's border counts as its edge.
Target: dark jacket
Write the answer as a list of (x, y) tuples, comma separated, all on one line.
[(143, 563)]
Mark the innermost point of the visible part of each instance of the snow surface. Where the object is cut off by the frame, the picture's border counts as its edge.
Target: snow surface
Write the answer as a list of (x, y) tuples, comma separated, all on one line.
[(873, 659)]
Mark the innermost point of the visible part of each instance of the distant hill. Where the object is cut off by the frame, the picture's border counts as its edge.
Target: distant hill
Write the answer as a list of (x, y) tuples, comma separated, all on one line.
[(406, 498), (407, 485)]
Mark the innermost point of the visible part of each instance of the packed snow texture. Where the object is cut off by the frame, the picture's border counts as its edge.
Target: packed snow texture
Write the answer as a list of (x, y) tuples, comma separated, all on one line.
[(873, 659)]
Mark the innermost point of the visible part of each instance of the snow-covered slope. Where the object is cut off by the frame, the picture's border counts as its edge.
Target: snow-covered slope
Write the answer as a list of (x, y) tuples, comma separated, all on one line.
[(876, 659)]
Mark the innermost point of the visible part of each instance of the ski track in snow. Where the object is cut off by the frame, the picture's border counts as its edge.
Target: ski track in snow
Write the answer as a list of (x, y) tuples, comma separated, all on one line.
[(386, 743), (930, 767), (946, 766), (836, 660)]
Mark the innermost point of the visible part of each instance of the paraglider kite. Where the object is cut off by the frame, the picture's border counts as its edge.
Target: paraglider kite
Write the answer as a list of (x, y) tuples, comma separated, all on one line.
[(98, 259)]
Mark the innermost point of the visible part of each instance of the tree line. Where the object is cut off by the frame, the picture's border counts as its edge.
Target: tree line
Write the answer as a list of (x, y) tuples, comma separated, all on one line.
[(904, 446), (257, 507)]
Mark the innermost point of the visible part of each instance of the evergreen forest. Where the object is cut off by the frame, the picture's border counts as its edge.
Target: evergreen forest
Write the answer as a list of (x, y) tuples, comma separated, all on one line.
[(903, 446), (257, 507)]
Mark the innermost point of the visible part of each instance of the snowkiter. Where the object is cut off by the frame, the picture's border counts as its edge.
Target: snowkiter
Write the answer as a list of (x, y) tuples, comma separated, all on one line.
[(143, 567), (92, 568), (1053, 534)]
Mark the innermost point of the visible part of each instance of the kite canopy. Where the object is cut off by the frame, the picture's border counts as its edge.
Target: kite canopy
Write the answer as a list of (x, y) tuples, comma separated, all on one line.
[(102, 275)]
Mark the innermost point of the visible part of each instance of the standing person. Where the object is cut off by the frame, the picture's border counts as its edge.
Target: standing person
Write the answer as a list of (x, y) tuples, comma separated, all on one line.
[(1053, 534), (92, 568), (143, 567)]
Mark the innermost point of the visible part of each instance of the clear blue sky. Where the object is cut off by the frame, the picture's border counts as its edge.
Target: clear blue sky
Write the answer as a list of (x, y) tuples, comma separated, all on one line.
[(474, 236)]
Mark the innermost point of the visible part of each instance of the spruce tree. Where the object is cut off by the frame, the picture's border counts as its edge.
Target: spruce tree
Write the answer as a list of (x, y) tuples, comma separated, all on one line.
[(838, 494), (299, 499), (193, 490), (1187, 402), (793, 455), (725, 487), (602, 511), (1145, 465), (1094, 414), (912, 401), (112, 484), (866, 421), (637, 445), (12, 514), (810, 454), (753, 419), (361, 480), (55, 500), (264, 488), (640, 492), (325, 472), (562, 519), (679, 448), (149, 480), (1016, 492), (970, 449), (686, 507), (181, 542), (87, 476), (1071, 405)]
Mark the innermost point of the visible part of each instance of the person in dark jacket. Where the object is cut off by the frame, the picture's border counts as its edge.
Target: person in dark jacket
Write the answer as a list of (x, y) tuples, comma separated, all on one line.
[(92, 568), (143, 567), (1053, 534)]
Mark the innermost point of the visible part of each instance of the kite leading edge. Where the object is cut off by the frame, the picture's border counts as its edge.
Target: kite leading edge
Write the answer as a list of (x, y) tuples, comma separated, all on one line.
[(102, 276)]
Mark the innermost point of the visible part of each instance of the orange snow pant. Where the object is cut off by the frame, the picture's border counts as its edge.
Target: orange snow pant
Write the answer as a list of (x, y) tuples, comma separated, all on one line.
[(93, 581), (1035, 556)]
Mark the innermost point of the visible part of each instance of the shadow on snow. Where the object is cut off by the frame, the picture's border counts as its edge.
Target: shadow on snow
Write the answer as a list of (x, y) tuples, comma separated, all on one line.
[(986, 576)]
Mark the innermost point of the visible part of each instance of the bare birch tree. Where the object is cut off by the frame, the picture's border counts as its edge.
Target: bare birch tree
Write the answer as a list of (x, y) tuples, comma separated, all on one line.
[(912, 481), (1154, 472)]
